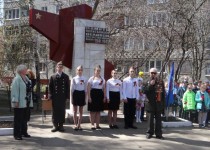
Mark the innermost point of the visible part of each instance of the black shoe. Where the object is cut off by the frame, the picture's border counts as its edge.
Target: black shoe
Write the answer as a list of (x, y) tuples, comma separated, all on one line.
[(18, 138), (61, 129), (98, 127), (93, 128), (26, 135), (133, 127), (76, 128), (160, 137), (115, 127), (111, 126), (80, 128), (148, 136), (54, 129)]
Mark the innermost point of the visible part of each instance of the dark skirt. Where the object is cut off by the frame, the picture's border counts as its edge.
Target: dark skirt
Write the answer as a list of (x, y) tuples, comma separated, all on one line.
[(97, 104), (78, 98), (114, 102)]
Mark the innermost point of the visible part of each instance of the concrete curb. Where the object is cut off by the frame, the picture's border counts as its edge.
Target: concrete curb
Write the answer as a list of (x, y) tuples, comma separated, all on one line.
[(6, 131), (181, 123)]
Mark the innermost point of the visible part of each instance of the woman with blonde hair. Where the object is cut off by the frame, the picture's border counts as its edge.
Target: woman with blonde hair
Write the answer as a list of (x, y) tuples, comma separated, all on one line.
[(114, 96), (96, 98), (78, 95)]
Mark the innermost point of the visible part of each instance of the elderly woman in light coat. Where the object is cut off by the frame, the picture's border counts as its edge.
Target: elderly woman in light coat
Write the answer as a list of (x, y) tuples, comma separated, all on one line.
[(20, 100)]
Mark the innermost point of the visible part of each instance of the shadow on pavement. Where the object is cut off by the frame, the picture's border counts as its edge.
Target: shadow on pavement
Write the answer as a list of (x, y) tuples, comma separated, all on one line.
[(190, 142)]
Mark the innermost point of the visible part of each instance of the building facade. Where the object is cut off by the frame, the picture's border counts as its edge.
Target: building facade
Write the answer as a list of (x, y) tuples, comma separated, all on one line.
[(144, 31), (137, 29)]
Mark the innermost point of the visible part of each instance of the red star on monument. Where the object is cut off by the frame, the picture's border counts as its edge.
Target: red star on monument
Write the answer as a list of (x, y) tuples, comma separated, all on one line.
[(59, 29), (38, 16)]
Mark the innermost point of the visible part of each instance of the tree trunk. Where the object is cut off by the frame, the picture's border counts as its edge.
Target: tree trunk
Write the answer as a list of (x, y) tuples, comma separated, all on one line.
[(37, 68)]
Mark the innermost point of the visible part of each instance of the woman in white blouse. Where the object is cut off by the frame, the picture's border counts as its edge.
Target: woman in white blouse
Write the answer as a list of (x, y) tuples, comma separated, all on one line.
[(78, 94), (114, 96), (96, 99)]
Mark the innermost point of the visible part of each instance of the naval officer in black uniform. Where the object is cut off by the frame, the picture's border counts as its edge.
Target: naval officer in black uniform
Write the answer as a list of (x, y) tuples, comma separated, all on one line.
[(59, 89)]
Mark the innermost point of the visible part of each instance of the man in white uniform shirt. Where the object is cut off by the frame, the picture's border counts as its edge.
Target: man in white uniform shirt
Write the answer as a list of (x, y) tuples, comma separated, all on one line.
[(130, 95)]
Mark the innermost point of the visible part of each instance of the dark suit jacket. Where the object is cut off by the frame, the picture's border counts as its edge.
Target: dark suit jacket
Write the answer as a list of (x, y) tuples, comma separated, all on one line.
[(151, 92), (59, 87)]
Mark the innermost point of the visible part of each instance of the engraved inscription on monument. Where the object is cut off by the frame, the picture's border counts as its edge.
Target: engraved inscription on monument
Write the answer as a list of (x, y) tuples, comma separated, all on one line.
[(96, 35)]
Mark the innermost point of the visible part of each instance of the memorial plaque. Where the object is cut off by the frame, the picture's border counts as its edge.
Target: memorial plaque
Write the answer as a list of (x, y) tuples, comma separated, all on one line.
[(96, 35)]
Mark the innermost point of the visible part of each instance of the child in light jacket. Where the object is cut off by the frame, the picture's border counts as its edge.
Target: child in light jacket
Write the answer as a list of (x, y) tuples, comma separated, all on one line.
[(189, 103), (203, 103)]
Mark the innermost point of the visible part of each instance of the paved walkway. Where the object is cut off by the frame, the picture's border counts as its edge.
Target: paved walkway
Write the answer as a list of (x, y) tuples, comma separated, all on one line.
[(191, 138)]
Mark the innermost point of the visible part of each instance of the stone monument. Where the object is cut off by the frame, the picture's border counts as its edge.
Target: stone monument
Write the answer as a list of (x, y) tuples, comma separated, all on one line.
[(74, 38), (90, 37)]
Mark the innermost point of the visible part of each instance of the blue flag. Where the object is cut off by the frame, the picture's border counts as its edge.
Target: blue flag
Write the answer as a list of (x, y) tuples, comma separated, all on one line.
[(169, 94)]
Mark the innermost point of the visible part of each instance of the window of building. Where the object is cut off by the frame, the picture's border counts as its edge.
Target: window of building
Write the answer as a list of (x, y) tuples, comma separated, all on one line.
[(150, 2), (11, 14), (57, 9), (150, 19), (150, 44), (139, 44), (154, 19), (43, 50), (153, 64), (129, 44), (140, 21), (158, 65), (157, 19), (163, 43), (156, 1), (119, 68), (208, 43), (128, 21), (42, 66), (44, 8), (11, 30), (207, 68), (24, 13), (163, 1)]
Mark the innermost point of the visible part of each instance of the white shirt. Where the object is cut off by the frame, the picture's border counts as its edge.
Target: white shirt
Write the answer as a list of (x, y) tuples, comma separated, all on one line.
[(130, 88), (96, 83), (140, 82), (59, 74), (79, 83), (142, 97), (114, 85)]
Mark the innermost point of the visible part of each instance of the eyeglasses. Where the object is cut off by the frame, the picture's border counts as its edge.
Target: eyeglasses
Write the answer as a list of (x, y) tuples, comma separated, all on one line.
[(153, 73), (79, 70)]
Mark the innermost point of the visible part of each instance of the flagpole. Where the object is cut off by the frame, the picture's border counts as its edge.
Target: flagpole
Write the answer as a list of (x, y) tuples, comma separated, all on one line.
[(169, 95), (167, 113)]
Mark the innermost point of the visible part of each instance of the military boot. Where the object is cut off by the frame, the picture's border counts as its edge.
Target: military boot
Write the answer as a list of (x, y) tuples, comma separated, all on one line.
[(61, 129)]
